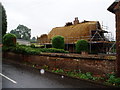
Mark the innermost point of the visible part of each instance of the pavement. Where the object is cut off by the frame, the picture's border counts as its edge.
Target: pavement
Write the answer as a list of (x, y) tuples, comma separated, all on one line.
[(17, 76)]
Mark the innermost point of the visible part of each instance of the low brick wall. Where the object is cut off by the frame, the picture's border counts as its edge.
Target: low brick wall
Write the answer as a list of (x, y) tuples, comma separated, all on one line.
[(97, 64)]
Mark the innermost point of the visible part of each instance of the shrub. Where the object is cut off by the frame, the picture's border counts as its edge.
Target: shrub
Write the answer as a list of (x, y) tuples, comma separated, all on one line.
[(81, 45), (112, 79), (32, 46), (6, 49), (9, 39), (58, 42)]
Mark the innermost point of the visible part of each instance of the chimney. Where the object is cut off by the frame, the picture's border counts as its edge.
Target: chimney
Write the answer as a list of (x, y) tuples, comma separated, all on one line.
[(76, 21)]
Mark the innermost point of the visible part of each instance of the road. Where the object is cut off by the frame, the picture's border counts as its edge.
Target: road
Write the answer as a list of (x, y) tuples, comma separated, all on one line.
[(26, 77)]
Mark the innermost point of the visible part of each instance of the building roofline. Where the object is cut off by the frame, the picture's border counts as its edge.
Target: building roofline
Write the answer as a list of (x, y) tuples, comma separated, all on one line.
[(112, 6)]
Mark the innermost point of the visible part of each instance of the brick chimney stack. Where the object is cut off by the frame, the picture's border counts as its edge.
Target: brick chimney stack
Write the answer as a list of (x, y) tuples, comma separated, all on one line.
[(76, 21)]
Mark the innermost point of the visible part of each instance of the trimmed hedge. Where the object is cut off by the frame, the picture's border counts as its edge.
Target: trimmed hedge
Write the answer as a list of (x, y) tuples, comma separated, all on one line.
[(58, 42), (9, 40), (81, 45), (22, 49), (53, 50)]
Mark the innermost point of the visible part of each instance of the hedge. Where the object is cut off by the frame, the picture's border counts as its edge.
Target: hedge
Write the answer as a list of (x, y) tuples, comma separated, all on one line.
[(58, 42), (82, 45), (9, 40), (22, 49)]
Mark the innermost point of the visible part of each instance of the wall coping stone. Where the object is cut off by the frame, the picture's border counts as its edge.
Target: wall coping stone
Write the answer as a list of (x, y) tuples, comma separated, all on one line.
[(79, 56), (76, 56)]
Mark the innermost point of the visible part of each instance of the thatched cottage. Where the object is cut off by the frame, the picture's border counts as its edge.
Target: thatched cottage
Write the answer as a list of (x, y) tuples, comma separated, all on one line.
[(88, 30)]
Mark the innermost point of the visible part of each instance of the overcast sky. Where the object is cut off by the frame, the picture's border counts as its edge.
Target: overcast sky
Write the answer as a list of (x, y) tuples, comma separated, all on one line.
[(43, 15)]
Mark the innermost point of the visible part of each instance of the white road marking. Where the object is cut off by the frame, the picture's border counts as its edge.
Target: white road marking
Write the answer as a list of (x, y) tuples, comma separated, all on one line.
[(8, 78)]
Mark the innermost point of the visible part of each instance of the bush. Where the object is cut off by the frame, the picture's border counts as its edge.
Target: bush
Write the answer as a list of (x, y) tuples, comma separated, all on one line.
[(9, 40), (58, 42), (32, 46), (81, 45), (6, 49), (112, 79)]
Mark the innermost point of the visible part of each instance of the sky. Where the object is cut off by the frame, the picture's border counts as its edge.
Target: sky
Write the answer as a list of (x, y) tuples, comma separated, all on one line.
[(43, 15)]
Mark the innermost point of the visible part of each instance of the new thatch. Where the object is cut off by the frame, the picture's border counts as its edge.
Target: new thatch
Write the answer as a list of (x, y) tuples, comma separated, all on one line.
[(75, 32), (43, 39), (71, 33)]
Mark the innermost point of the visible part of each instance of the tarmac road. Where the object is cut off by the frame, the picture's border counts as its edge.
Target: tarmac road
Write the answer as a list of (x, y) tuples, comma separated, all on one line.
[(26, 77)]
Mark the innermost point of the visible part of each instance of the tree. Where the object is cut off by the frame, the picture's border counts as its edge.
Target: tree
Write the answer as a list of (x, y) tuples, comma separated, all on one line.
[(33, 38), (4, 20), (58, 42), (22, 32), (16, 33)]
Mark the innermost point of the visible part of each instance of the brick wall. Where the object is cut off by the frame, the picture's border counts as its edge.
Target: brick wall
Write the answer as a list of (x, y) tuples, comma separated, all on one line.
[(117, 13), (94, 63)]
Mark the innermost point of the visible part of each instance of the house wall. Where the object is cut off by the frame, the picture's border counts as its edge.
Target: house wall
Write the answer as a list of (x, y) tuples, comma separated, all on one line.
[(69, 62), (117, 14), (23, 42)]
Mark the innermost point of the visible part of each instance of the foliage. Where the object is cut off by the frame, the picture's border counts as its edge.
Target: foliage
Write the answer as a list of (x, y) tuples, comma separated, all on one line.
[(45, 67), (58, 71), (53, 50), (9, 40), (87, 75), (22, 49), (33, 38), (58, 42), (4, 20), (22, 32), (6, 49), (32, 45), (112, 79), (81, 45)]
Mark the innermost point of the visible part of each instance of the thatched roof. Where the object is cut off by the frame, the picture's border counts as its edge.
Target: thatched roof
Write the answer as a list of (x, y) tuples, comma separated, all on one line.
[(43, 38), (75, 32)]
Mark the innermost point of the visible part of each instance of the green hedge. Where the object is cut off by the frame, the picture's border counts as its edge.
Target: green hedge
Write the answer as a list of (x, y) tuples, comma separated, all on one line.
[(9, 40), (81, 45), (22, 49), (53, 50), (58, 42)]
